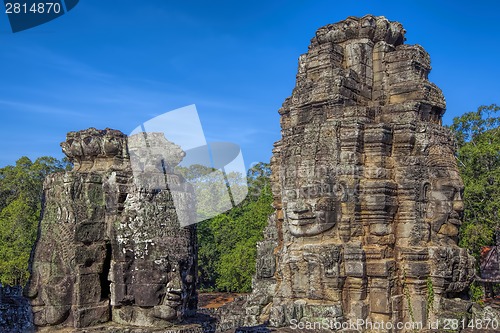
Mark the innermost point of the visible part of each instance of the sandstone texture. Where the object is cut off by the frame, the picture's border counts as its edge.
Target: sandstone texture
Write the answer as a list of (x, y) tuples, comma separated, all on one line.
[(366, 189), (111, 248)]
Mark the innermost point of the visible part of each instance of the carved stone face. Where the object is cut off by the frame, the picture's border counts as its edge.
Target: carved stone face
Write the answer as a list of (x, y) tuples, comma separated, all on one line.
[(312, 209), (443, 194), (50, 288), (156, 284), (178, 290), (444, 205)]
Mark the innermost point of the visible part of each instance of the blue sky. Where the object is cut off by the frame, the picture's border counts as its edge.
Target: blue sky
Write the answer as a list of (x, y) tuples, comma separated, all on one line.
[(117, 64)]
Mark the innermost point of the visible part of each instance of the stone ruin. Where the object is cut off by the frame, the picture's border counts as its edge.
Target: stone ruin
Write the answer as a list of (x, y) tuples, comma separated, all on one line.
[(111, 248), (366, 189)]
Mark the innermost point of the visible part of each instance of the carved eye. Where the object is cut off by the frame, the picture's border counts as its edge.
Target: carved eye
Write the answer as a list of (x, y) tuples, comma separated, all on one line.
[(324, 204), (449, 192)]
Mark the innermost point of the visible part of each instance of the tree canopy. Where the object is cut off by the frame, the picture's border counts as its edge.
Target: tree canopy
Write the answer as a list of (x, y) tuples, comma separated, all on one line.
[(20, 206), (227, 242), (478, 140)]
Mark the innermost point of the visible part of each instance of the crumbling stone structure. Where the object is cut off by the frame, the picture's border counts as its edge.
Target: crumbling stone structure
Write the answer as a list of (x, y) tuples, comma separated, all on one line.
[(366, 188), (110, 247)]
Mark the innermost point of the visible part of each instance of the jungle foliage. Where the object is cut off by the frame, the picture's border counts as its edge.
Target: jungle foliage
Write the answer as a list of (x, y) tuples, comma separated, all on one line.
[(227, 242), (478, 139), (20, 206)]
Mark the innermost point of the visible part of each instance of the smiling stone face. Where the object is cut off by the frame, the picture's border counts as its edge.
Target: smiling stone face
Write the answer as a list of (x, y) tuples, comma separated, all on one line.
[(311, 183), (153, 278), (313, 209), (443, 195), (50, 290), (177, 291)]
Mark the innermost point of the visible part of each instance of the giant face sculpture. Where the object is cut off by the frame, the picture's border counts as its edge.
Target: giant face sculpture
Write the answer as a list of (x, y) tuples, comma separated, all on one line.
[(155, 284), (179, 288), (311, 194), (313, 209), (443, 194), (50, 289), (363, 106)]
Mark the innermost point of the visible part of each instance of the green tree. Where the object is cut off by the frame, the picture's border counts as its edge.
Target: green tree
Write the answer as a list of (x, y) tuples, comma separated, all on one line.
[(478, 139), (258, 178), (227, 242), (238, 239), (20, 205)]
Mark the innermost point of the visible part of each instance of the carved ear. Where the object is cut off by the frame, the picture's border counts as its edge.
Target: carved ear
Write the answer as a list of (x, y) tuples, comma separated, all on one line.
[(341, 192), (424, 196), (425, 192)]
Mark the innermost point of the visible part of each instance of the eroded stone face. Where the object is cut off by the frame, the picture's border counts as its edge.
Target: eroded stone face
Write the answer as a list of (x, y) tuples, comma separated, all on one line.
[(313, 209), (443, 195), (110, 245), (366, 187), (155, 274), (68, 262)]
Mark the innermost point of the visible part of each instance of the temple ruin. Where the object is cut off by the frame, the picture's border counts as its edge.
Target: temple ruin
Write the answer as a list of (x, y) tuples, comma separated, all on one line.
[(367, 195), (110, 249), (366, 188)]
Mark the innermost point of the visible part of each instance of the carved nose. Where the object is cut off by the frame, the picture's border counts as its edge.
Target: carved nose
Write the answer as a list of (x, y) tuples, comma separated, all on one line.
[(175, 282), (458, 205), (300, 207)]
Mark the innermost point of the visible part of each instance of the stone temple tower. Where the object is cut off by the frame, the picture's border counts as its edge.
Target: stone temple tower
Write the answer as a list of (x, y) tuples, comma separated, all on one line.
[(111, 248), (366, 188)]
